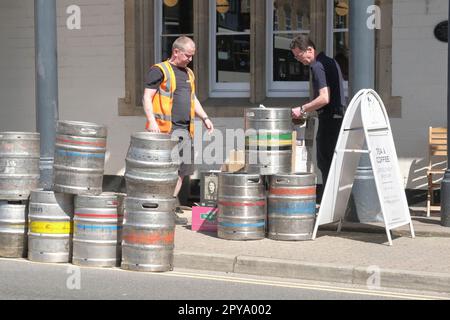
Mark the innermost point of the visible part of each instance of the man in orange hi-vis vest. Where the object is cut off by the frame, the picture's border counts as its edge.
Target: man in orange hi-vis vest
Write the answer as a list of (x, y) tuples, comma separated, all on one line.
[(171, 105)]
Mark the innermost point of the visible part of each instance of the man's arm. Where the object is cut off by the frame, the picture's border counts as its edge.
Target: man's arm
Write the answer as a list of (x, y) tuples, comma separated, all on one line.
[(322, 100), (200, 112), (148, 108)]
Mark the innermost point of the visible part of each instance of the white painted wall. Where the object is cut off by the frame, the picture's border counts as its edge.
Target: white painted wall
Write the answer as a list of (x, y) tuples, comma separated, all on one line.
[(420, 78), (91, 71), (91, 75)]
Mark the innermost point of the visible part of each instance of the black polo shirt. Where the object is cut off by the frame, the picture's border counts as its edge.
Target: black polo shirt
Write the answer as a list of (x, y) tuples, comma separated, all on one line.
[(327, 73), (181, 109)]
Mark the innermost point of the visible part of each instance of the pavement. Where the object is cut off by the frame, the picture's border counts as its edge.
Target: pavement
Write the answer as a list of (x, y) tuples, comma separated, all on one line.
[(360, 254)]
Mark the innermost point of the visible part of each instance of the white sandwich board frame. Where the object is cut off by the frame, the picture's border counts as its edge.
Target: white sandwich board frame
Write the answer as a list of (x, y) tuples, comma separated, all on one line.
[(366, 119)]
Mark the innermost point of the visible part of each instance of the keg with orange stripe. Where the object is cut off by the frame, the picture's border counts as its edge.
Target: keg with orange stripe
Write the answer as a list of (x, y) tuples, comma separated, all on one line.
[(50, 227), (148, 234), (242, 207), (97, 231), (79, 157), (292, 206)]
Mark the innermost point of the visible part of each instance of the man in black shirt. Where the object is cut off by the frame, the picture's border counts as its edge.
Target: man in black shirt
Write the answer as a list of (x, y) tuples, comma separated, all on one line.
[(329, 99), (170, 103)]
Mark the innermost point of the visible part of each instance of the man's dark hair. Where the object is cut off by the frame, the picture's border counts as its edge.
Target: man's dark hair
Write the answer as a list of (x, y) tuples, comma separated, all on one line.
[(302, 42)]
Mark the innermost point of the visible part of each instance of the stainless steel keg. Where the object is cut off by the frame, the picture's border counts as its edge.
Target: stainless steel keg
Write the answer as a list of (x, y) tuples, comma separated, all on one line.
[(148, 234), (13, 229), (242, 207), (50, 227), (152, 165), (292, 206), (97, 231), (79, 157), (268, 141), (19, 164)]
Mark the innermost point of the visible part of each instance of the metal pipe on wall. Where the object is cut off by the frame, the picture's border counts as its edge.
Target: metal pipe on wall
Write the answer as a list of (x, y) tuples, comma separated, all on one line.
[(46, 84)]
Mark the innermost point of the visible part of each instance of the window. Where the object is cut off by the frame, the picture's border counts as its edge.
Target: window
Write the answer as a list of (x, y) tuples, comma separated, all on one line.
[(230, 48), (173, 18), (286, 77), (338, 38)]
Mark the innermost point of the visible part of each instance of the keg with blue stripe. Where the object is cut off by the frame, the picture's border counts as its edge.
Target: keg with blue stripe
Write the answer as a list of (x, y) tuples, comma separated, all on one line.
[(152, 165), (13, 229), (268, 143), (292, 207), (242, 207), (79, 158), (97, 229)]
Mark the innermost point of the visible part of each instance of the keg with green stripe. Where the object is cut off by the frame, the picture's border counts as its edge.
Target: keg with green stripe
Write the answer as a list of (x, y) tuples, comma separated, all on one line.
[(50, 227), (13, 229), (242, 207), (268, 141), (292, 207), (79, 157), (97, 229)]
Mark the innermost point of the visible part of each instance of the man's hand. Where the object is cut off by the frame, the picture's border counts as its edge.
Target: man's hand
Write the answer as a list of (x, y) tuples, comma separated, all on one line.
[(153, 126), (297, 113), (209, 125)]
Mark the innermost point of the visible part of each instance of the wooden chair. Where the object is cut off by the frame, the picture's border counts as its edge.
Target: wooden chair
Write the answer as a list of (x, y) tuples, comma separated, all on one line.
[(437, 161)]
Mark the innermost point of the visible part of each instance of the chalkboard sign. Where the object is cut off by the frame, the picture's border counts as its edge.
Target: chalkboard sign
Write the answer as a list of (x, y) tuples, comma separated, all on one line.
[(441, 31)]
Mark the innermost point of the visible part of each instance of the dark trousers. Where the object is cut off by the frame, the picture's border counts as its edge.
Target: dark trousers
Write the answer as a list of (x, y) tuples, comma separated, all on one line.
[(326, 140)]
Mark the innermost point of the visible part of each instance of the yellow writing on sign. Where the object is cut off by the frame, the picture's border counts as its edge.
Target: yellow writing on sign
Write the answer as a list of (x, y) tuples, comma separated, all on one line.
[(50, 227)]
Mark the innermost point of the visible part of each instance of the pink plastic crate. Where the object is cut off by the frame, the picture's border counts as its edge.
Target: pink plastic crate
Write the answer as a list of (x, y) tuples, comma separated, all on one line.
[(204, 219)]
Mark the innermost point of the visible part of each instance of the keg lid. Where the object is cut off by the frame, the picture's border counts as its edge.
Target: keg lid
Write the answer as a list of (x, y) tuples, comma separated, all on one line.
[(79, 128)]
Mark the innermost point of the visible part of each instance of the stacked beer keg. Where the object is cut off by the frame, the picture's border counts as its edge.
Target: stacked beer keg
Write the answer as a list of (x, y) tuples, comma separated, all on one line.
[(247, 211), (19, 174), (149, 226)]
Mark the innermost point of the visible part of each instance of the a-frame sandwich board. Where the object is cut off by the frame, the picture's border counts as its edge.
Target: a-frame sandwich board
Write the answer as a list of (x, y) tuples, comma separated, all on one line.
[(366, 120)]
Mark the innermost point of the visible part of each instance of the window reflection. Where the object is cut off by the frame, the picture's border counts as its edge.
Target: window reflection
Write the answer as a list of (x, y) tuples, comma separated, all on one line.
[(233, 41), (291, 18)]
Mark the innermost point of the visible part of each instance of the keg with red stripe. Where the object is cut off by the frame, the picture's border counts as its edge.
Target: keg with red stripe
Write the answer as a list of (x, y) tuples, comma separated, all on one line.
[(242, 207), (97, 231), (148, 234), (79, 158), (292, 207)]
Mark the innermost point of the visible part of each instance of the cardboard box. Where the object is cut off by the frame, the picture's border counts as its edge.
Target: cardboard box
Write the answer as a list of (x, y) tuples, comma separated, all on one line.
[(235, 161), (204, 219)]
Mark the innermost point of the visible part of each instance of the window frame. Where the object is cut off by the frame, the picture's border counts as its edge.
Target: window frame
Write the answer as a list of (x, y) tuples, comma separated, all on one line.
[(217, 89), (158, 21), (279, 89)]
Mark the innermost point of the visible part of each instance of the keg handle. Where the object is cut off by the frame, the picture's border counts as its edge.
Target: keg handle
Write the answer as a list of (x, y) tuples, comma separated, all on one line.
[(150, 205), (88, 131), (282, 180), (254, 180)]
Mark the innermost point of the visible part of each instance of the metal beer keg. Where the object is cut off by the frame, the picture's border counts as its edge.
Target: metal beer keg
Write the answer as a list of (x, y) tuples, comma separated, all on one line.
[(50, 227), (97, 231), (292, 206), (152, 165), (148, 234), (13, 229), (242, 207), (268, 141), (19, 164), (79, 157)]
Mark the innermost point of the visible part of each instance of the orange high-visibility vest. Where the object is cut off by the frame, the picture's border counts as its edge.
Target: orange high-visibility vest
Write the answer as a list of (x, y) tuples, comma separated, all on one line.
[(163, 99)]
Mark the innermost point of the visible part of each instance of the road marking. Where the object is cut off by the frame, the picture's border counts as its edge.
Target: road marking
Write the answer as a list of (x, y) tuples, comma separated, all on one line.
[(304, 286), (200, 276)]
